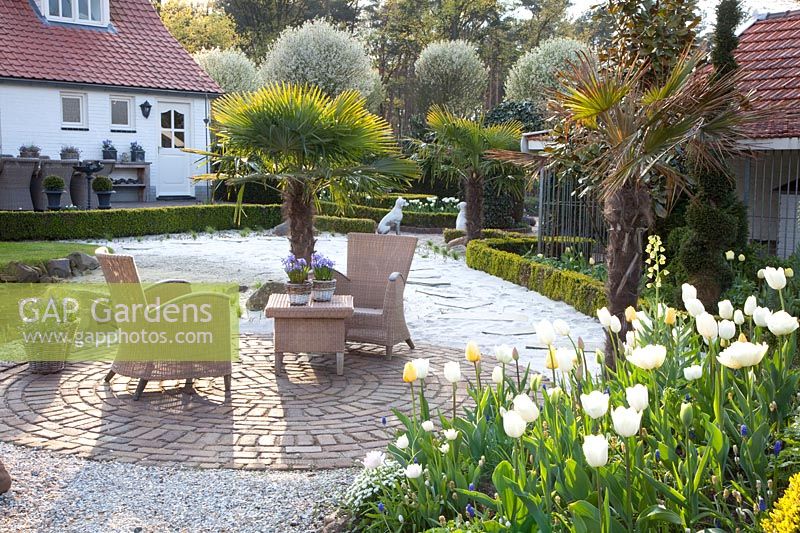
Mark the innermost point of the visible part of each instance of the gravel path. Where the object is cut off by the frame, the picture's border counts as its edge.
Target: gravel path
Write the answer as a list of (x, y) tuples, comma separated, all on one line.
[(53, 492)]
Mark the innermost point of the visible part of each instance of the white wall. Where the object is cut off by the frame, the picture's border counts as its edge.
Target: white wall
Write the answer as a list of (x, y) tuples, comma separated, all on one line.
[(31, 113)]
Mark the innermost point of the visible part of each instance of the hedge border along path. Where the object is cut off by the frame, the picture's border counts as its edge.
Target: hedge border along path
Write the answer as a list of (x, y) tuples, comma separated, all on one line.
[(421, 220), (55, 225), (582, 292)]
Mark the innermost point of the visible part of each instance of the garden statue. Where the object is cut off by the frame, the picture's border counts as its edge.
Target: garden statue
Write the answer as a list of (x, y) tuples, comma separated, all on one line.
[(393, 218), (461, 221)]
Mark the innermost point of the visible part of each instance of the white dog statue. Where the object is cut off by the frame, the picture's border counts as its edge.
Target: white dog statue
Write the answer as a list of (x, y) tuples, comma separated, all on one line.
[(461, 221), (393, 218)]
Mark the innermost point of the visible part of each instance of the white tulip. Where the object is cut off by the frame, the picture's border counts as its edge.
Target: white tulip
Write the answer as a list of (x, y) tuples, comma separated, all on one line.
[(760, 273), (374, 459), (595, 404), (452, 372), (775, 277), (725, 309), (727, 330), (761, 316), (730, 255), (427, 425), (642, 321), (402, 442), (528, 410), (742, 354), (554, 393), (545, 332), (604, 316), (513, 424), (688, 292), (421, 366), (637, 396), (750, 305), (413, 471), (595, 450), (648, 357), (561, 327), (614, 324), (781, 323), (738, 317), (693, 372), (444, 448), (566, 359), (694, 307), (626, 421), (707, 326), (451, 434), (504, 354), (497, 375)]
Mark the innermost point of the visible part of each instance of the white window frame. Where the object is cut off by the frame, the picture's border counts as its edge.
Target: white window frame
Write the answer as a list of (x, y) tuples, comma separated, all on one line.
[(83, 98), (74, 19), (131, 125)]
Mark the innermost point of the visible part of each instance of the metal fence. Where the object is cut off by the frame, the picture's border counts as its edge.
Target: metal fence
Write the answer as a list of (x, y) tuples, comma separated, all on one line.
[(563, 212)]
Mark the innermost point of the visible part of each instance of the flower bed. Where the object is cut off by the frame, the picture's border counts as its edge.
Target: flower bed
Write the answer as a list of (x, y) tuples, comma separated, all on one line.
[(29, 225), (503, 258), (684, 435)]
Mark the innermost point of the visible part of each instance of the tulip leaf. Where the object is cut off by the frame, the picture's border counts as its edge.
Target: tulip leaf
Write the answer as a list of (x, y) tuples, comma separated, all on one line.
[(576, 481), (656, 513)]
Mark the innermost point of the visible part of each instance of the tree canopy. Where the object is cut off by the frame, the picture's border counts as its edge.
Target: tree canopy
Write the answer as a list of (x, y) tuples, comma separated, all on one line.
[(198, 28)]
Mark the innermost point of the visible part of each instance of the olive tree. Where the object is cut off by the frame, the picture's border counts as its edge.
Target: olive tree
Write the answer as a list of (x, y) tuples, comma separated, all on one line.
[(451, 75), (231, 69)]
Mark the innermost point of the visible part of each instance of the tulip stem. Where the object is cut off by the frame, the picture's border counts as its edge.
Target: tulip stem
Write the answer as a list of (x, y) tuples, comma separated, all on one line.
[(629, 489), (413, 404), (780, 295), (600, 502), (478, 374), (454, 401), (519, 384)]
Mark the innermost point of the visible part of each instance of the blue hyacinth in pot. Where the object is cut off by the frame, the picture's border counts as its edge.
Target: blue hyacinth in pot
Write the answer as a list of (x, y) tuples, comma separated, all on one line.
[(323, 285), (299, 287)]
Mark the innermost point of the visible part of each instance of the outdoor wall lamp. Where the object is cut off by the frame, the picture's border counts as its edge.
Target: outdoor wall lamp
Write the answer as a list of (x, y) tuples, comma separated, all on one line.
[(146, 107)]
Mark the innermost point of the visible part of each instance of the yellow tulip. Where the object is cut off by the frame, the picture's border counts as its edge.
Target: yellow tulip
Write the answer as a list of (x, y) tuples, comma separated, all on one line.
[(409, 373), (472, 353), (630, 314), (670, 317), (550, 361)]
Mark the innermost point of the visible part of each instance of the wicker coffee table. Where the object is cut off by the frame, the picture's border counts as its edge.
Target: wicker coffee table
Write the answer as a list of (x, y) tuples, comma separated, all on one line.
[(314, 328)]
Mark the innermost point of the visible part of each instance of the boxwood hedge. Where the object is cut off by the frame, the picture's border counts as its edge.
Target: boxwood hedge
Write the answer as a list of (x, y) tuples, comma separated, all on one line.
[(501, 258), (420, 220), (54, 225)]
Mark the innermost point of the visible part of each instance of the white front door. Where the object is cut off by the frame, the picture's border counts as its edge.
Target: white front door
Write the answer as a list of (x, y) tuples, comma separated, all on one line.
[(173, 164)]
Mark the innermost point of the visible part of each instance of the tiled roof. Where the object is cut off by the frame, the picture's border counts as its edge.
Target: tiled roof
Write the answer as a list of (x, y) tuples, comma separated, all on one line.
[(769, 58), (137, 51)]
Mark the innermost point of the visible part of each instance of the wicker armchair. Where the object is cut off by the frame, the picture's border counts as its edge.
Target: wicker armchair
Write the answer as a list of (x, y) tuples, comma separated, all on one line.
[(15, 183), (377, 270), (121, 269)]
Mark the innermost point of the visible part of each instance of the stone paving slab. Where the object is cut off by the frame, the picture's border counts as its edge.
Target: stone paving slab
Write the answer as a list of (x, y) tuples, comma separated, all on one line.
[(305, 418)]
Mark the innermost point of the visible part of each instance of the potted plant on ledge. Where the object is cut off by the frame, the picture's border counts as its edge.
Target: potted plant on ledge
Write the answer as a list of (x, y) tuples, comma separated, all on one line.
[(109, 152), (298, 288), (137, 152), (104, 188), (323, 285), (70, 152), (53, 188), (29, 150)]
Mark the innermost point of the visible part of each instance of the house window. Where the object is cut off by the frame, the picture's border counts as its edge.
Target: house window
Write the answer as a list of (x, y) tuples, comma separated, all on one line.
[(121, 113), (73, 110), (93, 12)]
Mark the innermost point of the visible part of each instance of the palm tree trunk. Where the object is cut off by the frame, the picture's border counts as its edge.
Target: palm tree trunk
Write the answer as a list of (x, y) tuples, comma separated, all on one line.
[(473, 190), (628, 213), (298, 209)]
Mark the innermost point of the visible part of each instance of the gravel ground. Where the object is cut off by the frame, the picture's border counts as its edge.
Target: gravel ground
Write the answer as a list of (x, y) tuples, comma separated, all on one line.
[(53, 492)]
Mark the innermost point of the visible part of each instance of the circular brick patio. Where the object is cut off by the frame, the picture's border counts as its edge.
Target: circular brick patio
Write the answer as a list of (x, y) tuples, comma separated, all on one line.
[(307, 417)]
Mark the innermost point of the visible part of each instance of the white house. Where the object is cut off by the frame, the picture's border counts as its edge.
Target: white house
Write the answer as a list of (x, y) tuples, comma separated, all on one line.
[(78, 72)]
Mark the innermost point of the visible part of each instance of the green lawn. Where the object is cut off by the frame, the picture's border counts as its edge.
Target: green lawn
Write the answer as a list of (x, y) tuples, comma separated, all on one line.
[(38, 252)]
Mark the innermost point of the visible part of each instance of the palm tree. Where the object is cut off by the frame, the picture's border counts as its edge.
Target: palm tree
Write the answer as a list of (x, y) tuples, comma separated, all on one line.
[(458, 152), (302, 141), (626, 140)]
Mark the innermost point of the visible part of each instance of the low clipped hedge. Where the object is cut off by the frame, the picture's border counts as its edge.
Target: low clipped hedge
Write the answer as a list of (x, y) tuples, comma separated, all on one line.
[(56, 225), (501, 258), (449, 234), (420, 220)]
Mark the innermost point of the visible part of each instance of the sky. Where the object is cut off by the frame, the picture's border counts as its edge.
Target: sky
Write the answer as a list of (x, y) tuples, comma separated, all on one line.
[(708, 7)]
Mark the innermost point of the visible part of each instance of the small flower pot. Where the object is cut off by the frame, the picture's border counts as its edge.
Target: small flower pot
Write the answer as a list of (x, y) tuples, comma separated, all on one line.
[(70, 155), (137, 156), (322, 291), (104, 199), (29, 153), (53, 200), (299, 293), (110, 154)]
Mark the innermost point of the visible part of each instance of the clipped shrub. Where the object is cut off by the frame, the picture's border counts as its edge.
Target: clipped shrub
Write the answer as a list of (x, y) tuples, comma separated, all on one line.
[(53, 183), (535, 74), (451, 74), (344, 225), (317, 53), (501, 258), (231, 69), (526, 112), (254, 193), (102, 184), (419, 220), (449, 234)]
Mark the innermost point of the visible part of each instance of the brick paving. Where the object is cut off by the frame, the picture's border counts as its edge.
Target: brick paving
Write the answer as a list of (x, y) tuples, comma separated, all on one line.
[(306, 418)]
